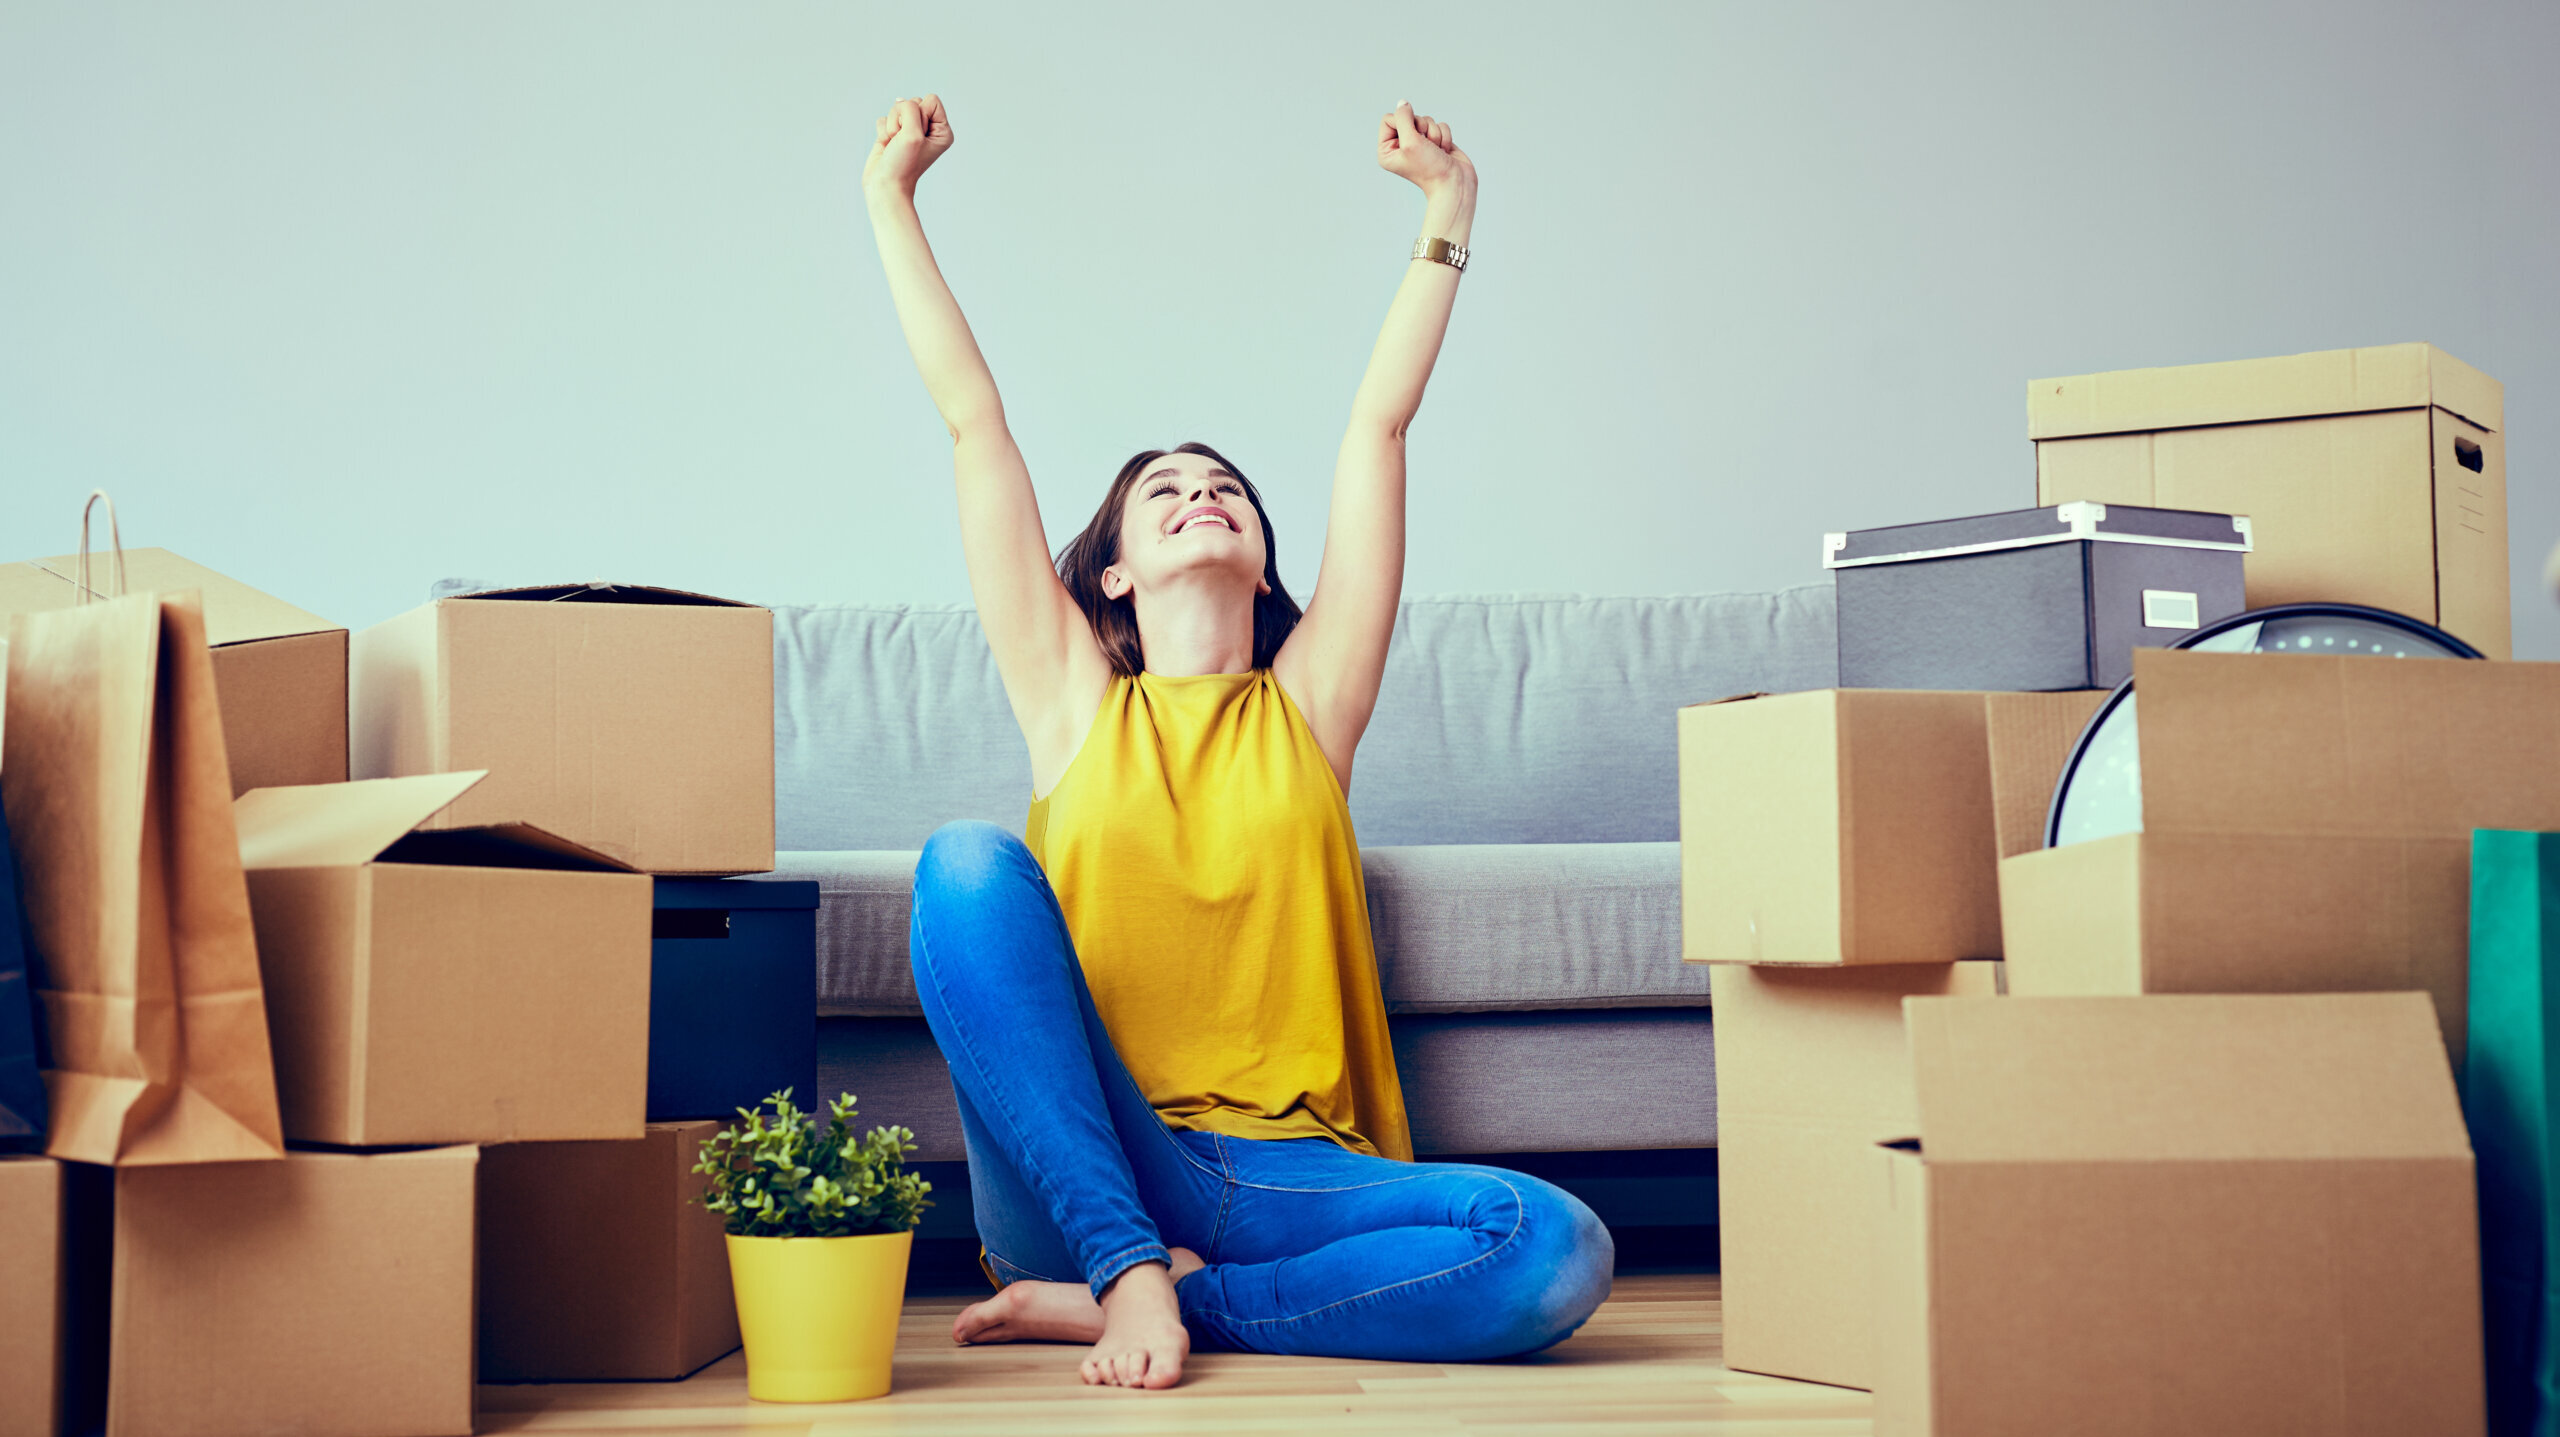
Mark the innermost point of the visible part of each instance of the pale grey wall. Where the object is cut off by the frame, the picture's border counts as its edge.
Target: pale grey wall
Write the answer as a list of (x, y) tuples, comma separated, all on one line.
[(345, 298)]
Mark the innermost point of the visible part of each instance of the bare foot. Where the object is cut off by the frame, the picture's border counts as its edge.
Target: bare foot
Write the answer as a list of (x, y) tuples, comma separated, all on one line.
[(1028, 1311), (1143, 1341)]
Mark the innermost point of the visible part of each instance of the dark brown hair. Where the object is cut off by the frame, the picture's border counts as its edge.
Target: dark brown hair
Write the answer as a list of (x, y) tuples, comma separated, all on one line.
[(1115, 621)]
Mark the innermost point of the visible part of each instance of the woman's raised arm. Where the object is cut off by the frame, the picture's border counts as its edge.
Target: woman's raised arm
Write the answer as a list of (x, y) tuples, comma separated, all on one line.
[(1054, 672), (1332, 663)]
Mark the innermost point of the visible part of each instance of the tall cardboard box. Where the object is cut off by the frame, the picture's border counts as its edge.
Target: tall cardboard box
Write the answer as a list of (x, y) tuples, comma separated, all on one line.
[(2306, 828), (1838, 826), (598, 1263), (328, 1294), (633, 720), (2371, 476), (281, 673), (1812, 1070), (485, 984), (2242, 1214), (31, 1296)]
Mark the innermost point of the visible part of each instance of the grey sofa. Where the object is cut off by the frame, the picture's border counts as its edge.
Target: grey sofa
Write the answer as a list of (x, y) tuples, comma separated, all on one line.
[(1516, 800)]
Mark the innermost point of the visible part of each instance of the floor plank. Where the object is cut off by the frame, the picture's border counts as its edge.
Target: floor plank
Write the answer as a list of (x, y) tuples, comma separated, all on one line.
[(1650, 1361)]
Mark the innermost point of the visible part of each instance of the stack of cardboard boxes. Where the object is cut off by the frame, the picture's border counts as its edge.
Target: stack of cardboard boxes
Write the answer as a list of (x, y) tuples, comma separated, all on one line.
[(1967, 1159), (456, 951)]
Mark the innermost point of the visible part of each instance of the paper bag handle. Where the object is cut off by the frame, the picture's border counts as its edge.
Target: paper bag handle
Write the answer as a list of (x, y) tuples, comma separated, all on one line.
[(115, 536)]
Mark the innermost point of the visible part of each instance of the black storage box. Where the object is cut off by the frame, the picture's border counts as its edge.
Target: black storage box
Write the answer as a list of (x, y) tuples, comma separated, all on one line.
[(2030, 599), (733, 996)]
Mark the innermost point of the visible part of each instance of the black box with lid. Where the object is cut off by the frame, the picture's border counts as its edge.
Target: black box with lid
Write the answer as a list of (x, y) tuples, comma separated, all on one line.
[(2030, 599)]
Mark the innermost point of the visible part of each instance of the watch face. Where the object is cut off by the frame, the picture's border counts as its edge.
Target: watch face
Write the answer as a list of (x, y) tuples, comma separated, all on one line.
[(2100, 794)]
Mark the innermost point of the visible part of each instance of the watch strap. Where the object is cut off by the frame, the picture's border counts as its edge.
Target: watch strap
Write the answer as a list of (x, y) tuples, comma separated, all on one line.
[(1452, 255)]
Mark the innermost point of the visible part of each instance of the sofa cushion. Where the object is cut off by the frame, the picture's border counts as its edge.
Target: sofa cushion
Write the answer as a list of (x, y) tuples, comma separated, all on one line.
[(1460, 928), (1506, 719), (1473, 1082)]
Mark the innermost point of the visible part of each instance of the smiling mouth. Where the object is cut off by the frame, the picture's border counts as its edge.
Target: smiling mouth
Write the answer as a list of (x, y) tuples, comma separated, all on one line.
[(1209, 516)]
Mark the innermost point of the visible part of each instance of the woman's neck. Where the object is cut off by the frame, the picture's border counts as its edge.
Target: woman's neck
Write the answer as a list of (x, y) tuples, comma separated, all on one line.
[(1196, 629)]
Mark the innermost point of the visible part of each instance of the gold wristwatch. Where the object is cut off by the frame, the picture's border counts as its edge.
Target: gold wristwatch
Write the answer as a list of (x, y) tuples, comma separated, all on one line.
[(1452, 255)]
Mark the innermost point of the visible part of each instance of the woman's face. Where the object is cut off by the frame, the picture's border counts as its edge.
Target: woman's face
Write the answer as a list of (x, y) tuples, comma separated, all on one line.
[(1185, 515)]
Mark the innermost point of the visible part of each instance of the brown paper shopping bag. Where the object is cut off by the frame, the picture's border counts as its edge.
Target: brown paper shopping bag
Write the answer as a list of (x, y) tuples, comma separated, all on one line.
[(119, 796)]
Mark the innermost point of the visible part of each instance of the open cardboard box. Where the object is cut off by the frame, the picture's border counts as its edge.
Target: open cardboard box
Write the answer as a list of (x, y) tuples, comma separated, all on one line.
[(636, 721), (2307, 828), (1835, 827), (281, 673), (2371, 476), (1812, 1070), (2244, 1214), (485, 984)]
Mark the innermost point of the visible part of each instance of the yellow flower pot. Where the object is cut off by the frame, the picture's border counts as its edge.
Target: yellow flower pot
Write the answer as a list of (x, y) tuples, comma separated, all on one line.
[(819, 1314)]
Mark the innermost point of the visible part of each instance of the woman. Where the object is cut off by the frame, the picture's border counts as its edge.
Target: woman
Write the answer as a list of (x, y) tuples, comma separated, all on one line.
[(1162, 1009)]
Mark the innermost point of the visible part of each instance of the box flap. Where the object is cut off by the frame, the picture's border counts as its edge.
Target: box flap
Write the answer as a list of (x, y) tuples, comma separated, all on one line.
[(234, 613), (2183, 1077), (2031, 737), (323, 825), (2373, 747), (500, 845), (596, 591), (2336, 381)]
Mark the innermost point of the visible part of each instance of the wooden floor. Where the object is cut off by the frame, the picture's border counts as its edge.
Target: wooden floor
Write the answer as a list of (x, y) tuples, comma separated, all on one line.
[(1650, 1361)]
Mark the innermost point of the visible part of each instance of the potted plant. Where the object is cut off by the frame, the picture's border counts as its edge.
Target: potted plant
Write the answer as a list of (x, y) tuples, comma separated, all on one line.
[(819, 1224)]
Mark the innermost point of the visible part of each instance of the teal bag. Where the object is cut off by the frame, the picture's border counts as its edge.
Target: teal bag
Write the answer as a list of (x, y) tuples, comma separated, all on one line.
[(2511, 1078)]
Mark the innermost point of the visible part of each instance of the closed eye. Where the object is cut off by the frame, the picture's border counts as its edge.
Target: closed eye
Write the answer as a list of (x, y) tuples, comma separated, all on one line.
[(1160, 491)]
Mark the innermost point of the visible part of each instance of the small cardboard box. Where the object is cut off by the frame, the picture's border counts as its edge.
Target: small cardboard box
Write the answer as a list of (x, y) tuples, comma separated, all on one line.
[(31, 1296), (1812, 1070), (596, 1262), (2032, 599), (455, 985), (1837, 826), (2178, 1215), (733, 1001), (635, 721), (281, 673), (2372, 476), (327, 1294), (2306, 828)]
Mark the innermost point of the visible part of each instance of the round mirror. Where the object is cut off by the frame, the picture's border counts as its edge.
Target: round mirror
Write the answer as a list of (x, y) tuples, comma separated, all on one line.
[(2100, 793)]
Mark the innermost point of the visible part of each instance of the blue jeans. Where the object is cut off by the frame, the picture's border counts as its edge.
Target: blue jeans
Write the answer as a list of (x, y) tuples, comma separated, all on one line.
[(1311, 1248)]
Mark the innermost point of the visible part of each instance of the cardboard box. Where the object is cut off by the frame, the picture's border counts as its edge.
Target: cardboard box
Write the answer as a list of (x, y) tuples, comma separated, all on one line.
[(455, 985), (635, 721), (1812, 1070), (2031, 599), (596, 1262), (31, 1296), (1837, 826), (2031, 737), (2178, 1215), (733, 1001), (2307, 828), (281, 673), (2372, 476), (327, 1294)]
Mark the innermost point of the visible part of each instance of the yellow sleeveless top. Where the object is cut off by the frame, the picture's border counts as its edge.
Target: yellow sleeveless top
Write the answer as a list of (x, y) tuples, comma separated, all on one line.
[(1202, 852)]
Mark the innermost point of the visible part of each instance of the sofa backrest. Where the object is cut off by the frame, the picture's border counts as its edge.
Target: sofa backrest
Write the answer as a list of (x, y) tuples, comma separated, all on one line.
[(1518, 719)]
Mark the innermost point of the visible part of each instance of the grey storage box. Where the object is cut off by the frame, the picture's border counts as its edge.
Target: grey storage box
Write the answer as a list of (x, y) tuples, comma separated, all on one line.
[(2031, 599)]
